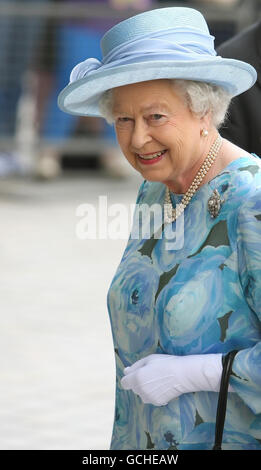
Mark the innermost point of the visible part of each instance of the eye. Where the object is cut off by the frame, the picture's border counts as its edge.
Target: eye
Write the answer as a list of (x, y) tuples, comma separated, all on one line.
[(123, 119), (156, 117), (123, 122)]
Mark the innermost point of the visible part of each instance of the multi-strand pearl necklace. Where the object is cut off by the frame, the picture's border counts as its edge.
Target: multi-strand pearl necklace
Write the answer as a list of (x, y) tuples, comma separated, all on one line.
[(171, 213)]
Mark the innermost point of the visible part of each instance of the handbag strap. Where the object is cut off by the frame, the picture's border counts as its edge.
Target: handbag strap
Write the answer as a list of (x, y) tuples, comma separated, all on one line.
[(222, 398)]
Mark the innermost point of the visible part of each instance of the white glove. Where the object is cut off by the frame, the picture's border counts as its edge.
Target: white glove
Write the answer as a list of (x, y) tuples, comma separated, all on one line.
[(158, 378)]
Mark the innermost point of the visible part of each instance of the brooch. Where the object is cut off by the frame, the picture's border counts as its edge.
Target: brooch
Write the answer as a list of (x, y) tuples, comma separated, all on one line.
[(214, 204)]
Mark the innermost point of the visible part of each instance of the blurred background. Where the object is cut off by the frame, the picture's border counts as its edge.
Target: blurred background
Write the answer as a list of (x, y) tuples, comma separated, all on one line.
[(57, 360)]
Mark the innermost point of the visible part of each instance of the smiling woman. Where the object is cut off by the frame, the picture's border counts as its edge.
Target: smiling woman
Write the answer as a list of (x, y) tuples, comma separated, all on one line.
[(158, 123), (177, 310)]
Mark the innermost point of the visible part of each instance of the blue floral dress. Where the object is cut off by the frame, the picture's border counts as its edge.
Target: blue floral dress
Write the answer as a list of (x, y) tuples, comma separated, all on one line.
[(200, 298)]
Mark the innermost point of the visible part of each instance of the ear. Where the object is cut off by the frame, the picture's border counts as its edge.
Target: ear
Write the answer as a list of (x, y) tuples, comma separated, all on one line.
[(206, 120)]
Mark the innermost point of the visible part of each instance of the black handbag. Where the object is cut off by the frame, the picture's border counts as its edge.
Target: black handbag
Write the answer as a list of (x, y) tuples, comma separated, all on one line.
[(222, 399)]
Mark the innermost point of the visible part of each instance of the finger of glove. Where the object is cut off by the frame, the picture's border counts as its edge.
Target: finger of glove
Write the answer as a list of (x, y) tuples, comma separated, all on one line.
[(129, 382), (141, 381), (135, 366), (125, 383), (152, 400), (158, 392), (152, 358), (168, 394), (155, 402), (147, 398)]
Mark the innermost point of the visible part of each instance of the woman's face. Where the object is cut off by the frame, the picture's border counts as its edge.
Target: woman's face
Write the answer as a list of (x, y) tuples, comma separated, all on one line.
[(157, 132)]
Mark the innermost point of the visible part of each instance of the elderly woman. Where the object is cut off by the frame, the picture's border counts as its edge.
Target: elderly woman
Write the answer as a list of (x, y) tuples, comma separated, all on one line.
[(177, 308)]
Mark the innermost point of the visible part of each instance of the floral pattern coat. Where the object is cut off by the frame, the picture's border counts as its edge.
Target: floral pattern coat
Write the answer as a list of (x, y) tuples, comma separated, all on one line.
[(202, 297)]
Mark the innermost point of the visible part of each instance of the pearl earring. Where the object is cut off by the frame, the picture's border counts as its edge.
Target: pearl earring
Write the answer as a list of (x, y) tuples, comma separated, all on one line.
[(204, 132)]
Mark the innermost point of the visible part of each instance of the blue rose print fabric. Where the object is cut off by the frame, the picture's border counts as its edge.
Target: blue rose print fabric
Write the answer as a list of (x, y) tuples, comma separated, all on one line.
[(202, 297)]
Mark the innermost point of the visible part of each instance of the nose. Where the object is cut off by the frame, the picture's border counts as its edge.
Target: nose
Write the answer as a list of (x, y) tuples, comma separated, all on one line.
[(140, 135)]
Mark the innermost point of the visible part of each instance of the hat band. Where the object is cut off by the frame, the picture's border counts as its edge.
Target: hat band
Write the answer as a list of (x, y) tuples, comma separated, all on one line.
[(173, 44)]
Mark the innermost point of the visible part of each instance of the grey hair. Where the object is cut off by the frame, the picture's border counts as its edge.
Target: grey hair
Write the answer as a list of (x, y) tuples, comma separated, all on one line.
[(106, 105), (201, 98)]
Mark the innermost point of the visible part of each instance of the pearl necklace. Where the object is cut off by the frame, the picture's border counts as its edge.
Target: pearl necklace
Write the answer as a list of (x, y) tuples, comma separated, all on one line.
[(171, 213)]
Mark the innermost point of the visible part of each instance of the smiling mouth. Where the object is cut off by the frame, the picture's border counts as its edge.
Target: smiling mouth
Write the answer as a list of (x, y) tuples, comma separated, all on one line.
[(152, 156)]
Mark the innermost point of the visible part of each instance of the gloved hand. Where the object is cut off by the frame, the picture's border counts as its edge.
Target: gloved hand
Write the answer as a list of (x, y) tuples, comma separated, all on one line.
[(158, 378)]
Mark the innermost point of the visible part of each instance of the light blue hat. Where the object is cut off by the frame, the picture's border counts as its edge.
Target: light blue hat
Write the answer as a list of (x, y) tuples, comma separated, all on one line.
[(158, 44)]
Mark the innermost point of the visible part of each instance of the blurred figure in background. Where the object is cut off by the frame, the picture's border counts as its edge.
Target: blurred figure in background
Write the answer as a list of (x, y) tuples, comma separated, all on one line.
[(66, 44), (19, 40), (243, 125)]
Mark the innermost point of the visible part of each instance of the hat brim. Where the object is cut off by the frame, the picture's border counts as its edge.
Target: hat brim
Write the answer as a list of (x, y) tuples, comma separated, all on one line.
[(82, 96)]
